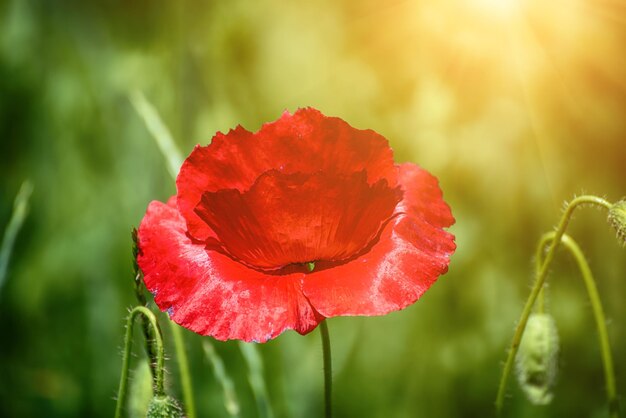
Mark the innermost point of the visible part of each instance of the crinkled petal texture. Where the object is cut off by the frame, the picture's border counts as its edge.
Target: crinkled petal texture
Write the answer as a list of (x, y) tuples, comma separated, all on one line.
[(297, 218), (226, 257)]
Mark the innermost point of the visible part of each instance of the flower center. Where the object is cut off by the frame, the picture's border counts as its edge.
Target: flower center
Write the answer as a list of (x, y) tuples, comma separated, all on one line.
[(295, 218)]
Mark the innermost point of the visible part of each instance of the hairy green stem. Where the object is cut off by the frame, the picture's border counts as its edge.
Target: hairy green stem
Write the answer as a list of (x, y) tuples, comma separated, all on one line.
[(158, 378), (145, 323), (183, 369), (538, 286), (538, 260), (328, 370), (598, 313)]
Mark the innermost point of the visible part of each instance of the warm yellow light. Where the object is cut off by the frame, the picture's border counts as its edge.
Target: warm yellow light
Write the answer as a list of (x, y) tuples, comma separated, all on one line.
[(496, 8)]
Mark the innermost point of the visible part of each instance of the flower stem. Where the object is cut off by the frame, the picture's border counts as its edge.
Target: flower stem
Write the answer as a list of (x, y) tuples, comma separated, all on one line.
[(157, 341), (538, 260), (540, 276), (598, 313), (328, 371), (183, 369), (145, 323)]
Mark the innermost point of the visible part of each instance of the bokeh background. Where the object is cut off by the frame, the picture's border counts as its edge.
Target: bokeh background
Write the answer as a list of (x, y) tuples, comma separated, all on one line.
[(515, 105)]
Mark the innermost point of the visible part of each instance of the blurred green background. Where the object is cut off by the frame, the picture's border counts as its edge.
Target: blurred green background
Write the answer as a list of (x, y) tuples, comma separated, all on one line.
[(515, 105)]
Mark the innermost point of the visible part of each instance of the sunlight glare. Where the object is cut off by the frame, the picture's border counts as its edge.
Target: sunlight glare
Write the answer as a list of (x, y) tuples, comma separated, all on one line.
[(496, 9)]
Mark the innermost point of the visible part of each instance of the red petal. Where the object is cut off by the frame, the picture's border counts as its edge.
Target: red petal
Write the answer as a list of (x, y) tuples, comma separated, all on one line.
[(298, 218), (305, 142), (409, 256), (211, 294), (422, 196)]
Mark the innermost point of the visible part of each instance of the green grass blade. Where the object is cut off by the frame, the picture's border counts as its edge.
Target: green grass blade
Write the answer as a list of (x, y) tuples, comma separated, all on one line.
[(159, 131), (183, 368), (140, 390), (20, 210), (256, 379), (230, 396)]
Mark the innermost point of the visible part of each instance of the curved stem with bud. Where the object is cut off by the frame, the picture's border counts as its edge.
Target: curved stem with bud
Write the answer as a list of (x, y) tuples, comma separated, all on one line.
[(157, 341), (540, 276)]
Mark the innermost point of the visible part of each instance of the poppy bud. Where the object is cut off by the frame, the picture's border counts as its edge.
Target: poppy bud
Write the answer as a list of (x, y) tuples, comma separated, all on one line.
[(164, 407), (537, 358), (617, 218)]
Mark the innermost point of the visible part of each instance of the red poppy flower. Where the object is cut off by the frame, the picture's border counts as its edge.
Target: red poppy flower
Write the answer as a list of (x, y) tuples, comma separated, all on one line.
[(307, 218)]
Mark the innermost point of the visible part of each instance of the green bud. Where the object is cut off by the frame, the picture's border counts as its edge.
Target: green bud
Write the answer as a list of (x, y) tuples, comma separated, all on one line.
[(310, 266), (617, 218), (537, 358), (164, 407)]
